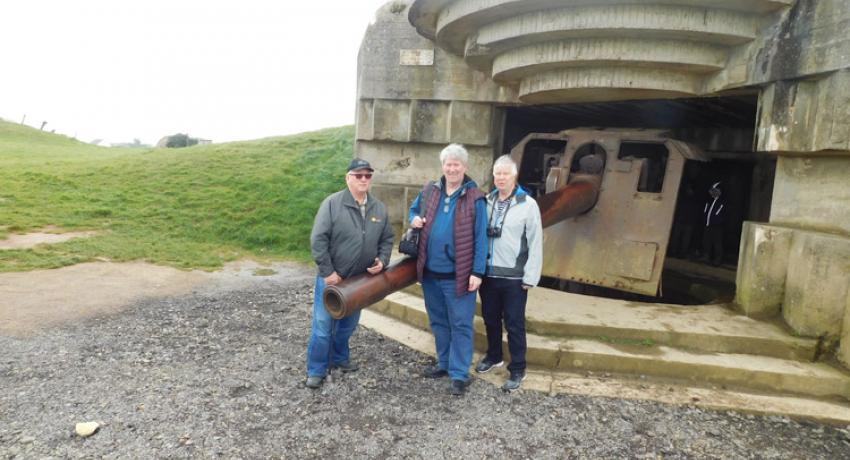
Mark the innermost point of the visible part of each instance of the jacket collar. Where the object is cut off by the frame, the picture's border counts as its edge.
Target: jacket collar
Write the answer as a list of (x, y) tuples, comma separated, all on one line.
[(519, 196), (466, 184), (348, 199)]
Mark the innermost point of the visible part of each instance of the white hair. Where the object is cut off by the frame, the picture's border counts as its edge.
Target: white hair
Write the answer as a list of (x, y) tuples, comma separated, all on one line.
[(506, 160), (454, 152)]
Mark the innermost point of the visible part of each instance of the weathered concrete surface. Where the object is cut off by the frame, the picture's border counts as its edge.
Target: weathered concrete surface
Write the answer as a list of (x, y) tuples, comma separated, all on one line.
[(764, 373), (415, 164), (807, 116), (812, 193), (843, 353), (605, 84), (762, 269), (718, 27), (707, 328), (413, 99), (703, 328), (555, 382), (456, 19), (817, 284), (804, 273), (384, 73), (662, 54), (706, 46)]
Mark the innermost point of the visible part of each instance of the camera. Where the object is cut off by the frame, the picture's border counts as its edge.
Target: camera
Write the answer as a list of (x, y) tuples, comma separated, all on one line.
[(494, 232)]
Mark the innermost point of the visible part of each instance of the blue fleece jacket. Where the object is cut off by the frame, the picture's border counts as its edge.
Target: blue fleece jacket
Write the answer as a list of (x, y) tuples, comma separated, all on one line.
[(441, 244)]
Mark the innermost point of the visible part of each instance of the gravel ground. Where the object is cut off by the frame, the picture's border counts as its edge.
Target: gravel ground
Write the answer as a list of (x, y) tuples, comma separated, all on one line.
[(220, 374)]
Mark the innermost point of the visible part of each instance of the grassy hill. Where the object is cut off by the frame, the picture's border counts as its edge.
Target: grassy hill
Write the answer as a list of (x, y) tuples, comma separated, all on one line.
[(196, 207)]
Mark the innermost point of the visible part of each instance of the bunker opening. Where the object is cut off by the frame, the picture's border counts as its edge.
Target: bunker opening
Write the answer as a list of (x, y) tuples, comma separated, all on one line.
[(676, 180)]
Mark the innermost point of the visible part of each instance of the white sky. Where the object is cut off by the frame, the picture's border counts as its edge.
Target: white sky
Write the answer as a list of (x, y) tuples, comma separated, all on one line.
[(221, 70)]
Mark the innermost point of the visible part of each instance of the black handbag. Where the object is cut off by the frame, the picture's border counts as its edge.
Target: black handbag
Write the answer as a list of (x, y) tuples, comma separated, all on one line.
[(409, 244)]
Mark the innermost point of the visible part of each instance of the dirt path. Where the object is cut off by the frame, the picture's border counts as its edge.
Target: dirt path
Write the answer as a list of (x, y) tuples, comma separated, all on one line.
[(30, 301), (47, 235)]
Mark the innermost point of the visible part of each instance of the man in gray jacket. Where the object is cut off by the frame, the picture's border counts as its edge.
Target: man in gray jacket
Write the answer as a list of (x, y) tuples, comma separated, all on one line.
[(351, 235)]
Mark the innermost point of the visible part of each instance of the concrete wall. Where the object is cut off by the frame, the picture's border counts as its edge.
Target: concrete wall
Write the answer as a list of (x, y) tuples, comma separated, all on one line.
[(813, 193), (413, 99), (806, 116)]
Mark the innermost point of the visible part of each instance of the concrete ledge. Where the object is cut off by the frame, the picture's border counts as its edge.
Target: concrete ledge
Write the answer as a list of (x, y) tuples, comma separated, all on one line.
[(609, 84), (702, 328), (733, 369), (687, 57), (544, 380), (458, 18), (685, 25)]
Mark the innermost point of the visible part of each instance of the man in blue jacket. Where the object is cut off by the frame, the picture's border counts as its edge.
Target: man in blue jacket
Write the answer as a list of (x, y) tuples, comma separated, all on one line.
[(452, 214)]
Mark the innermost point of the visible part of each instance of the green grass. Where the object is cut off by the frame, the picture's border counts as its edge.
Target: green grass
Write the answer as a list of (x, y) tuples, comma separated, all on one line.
[(196, 207)]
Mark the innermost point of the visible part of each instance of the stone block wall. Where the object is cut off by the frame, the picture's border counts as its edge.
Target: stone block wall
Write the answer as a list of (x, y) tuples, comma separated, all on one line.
[(802, 274), (414, 99)]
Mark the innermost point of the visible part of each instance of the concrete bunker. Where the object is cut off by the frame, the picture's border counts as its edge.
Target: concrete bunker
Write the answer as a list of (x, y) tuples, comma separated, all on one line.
[(760, 87)]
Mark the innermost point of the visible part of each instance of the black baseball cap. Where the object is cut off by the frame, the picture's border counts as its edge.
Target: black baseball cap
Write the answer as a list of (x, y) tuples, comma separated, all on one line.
[(357, 163)]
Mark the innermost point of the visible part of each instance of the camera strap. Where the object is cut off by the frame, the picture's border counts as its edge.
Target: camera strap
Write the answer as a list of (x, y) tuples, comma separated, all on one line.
[(510, 200)]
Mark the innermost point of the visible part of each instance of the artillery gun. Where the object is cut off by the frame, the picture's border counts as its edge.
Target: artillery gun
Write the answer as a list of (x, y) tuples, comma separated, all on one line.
[(607, 199)]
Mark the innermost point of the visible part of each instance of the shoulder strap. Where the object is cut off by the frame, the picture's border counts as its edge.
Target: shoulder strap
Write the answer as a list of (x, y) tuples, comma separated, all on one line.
[(426, 197)]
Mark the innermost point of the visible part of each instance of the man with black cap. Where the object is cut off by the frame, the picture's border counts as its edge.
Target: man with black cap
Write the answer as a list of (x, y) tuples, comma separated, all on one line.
[(351, 235)]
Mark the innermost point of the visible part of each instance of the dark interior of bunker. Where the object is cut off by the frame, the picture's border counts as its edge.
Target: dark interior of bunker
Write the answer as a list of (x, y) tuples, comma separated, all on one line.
[(723, 127)]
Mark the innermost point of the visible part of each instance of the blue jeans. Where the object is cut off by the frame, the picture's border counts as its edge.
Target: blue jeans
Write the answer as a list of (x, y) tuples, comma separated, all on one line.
[(451, 322), (329, 337), (504, 300)]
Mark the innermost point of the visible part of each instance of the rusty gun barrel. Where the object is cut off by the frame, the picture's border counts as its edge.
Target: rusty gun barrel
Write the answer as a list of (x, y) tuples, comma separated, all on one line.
[(574, 199), (358, 292)]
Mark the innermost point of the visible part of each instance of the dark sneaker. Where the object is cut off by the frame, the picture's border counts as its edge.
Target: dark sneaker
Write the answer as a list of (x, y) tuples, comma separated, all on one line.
[(514, 382), (346, 366), (485, 365), (458, 387), (434, 372), (314, 382)]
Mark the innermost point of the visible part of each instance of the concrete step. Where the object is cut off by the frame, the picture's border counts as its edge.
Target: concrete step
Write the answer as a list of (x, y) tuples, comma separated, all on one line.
[(730, 370), (701, 328), (553, 382)]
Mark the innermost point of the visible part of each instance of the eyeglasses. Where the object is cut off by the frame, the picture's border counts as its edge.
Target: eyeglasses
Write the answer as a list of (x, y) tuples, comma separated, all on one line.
[(359, 176)]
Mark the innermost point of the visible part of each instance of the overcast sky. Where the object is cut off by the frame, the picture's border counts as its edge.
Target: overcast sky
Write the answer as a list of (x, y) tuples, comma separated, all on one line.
[(222, 70)]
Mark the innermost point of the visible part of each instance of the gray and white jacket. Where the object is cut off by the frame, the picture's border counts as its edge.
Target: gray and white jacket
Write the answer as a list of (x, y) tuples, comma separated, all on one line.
[(518, 252)]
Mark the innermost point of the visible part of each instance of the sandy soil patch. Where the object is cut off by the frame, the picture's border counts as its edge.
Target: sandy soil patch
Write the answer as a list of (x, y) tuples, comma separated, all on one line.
[(30, 301), (47, 235)]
